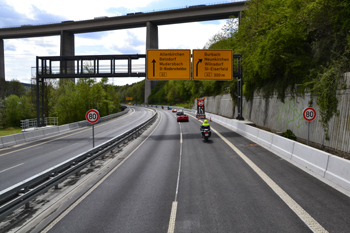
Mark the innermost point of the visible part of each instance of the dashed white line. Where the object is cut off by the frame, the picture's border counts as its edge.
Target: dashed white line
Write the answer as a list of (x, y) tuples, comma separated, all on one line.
[(11, 167)]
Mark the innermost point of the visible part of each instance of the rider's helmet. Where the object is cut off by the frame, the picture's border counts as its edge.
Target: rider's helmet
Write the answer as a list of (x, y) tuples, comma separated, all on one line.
[(205, 121)]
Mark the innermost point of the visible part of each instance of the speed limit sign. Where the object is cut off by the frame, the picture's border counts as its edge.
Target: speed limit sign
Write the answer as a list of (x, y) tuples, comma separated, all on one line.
[(92, 116), (200, 103), (309, 114)]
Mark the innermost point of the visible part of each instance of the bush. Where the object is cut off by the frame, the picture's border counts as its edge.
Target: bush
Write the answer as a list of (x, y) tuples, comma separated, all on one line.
[(290, 135)]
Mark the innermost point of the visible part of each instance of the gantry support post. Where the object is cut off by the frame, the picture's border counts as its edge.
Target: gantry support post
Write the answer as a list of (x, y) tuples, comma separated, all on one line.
[(151, 43)]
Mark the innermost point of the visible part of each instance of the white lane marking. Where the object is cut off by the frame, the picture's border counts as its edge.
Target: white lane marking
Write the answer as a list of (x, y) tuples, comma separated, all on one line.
[(11, 167), (171, 227), (293, 205), (61, 216)]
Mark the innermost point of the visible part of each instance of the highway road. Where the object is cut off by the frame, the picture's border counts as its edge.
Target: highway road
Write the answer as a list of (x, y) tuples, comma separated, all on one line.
[(173, 181), (20, 162)]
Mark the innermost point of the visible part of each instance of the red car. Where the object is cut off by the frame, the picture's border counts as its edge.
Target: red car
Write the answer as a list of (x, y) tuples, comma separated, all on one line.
[(182, 117)]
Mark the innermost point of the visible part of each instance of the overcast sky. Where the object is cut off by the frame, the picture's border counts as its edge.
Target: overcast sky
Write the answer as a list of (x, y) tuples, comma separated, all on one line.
[(20, 53)]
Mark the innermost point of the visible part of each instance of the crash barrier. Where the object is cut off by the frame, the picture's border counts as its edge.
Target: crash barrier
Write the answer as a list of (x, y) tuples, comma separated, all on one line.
[(328, 166), (38, 133), (22, 193)]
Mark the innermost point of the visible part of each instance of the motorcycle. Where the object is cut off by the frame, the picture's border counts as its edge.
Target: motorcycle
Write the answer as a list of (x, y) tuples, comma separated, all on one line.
[(206, 133)]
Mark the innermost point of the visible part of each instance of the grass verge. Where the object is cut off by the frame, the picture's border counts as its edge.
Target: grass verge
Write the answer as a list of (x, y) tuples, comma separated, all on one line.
[(9, 131)]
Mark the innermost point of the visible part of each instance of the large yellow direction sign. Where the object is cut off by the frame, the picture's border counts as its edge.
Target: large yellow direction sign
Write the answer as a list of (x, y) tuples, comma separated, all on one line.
[(168, 64), (212, 64)]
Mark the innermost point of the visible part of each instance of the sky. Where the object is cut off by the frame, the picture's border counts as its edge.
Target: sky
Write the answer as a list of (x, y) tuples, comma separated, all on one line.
[(20, 54)]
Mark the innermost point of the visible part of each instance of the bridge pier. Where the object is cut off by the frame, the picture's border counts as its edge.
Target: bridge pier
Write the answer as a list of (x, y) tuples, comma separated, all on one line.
[(2, 60), (151, 43)]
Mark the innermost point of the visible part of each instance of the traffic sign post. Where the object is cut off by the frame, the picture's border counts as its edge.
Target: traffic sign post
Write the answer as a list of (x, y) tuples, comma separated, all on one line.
[(92, 116), (168, 64), (200, 108), (309, 115)]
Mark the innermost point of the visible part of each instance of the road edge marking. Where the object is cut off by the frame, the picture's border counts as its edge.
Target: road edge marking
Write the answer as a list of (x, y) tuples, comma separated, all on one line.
[(87, 193), (293, 205)]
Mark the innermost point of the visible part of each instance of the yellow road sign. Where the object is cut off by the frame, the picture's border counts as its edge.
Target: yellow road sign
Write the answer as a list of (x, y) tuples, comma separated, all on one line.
[(128, 98), (168, 64), (212, 64)]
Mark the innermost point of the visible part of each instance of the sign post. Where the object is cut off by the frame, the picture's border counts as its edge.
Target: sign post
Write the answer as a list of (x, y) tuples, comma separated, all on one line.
[(92, 116), (200, 108), (309, 115)]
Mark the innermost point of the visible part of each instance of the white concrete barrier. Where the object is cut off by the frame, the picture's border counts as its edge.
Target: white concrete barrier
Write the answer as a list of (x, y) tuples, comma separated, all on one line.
[(50, 131), (338, 171), (282, 145), (331, 167), (19, 138), (1, 145), (264, 138), (311, 158), (8, 140), (31, 136), (63, 128), (252, 132)]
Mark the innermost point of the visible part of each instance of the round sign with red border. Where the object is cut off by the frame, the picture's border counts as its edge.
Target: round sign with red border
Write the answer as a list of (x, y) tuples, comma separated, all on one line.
[(200, 103), (92, 116), (309, 114)]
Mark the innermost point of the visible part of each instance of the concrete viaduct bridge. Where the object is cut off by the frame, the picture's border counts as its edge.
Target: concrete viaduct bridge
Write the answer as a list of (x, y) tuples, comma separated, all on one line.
[(151, 20)]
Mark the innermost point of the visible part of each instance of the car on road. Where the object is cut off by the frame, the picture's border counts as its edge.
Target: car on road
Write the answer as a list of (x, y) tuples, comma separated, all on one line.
[(174, 110), (182, 117), (180, 112)]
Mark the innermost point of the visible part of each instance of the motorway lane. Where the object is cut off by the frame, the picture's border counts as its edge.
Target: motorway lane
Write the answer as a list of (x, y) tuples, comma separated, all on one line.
[(23, 161), (136, 197), (218, 191), (325, 204)]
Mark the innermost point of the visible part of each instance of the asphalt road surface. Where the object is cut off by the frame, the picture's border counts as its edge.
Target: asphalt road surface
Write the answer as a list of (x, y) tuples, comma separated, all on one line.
[(175, 182), (18, 163)]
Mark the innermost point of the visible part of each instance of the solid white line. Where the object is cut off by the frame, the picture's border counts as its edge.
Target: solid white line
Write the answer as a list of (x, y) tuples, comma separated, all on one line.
[(171, 228), (11, 167), (96, 185), (293, 205)]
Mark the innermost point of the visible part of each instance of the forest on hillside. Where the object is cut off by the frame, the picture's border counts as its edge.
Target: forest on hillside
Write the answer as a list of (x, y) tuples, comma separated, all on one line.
[(64, 99), (293, 46)]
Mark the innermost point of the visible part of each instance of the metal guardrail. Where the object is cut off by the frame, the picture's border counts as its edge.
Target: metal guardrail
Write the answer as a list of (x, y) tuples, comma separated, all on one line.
[(22, 193), (31, 123)]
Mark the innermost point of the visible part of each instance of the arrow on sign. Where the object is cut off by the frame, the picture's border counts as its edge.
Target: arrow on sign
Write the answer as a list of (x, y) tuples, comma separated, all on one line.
[(154, 67), (199, 60)]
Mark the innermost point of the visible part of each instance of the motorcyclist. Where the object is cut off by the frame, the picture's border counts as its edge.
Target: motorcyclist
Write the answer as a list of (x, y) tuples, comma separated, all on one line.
[(205, 125)]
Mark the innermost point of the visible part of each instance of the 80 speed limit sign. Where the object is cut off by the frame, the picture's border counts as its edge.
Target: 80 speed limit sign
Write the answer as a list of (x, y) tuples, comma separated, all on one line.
[(309, 114), (92, 116)]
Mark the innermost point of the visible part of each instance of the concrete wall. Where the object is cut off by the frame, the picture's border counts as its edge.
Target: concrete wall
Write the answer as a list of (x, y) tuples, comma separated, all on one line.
[(276, 116)]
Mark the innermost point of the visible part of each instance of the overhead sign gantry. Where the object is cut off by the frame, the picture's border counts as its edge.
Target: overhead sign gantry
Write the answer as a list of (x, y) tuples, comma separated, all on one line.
[(212, 64), (168, 64)]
